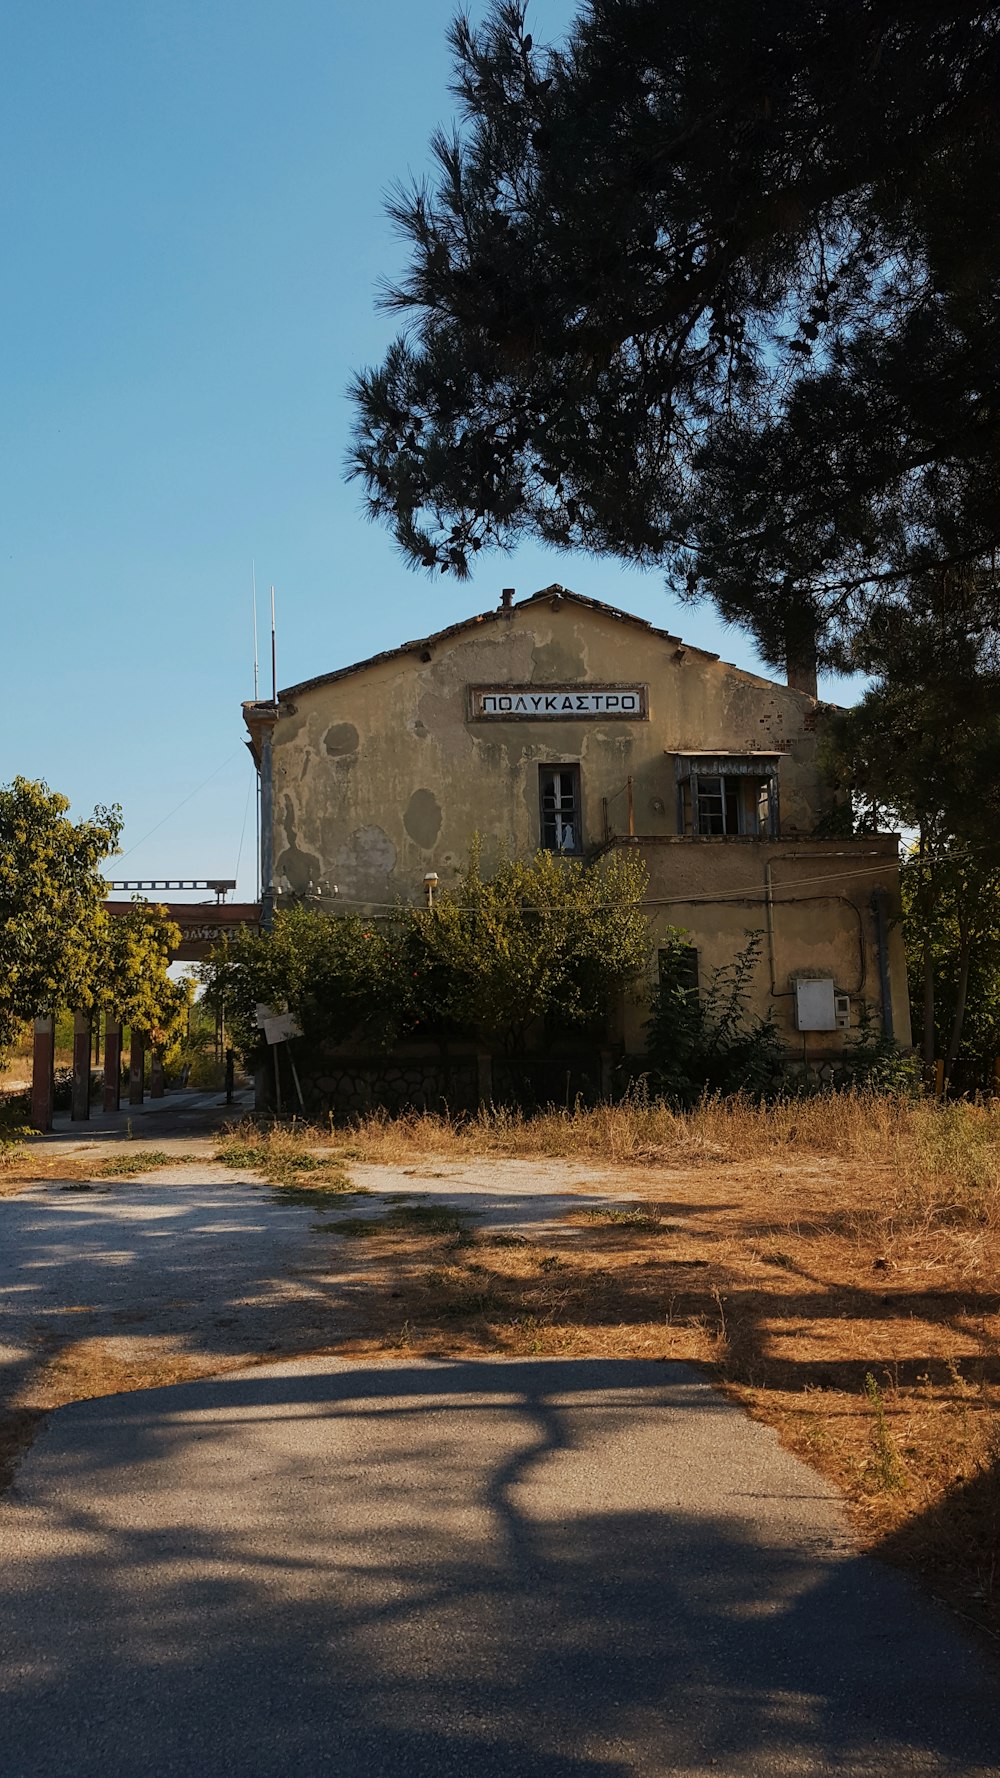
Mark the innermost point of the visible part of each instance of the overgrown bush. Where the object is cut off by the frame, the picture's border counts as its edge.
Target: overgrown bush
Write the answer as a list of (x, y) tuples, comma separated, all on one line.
[(710, 1042), (875, 1061), (543, 940)]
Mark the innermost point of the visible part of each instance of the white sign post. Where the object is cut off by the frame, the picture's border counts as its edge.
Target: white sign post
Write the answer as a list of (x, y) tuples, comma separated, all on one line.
[(279, 1027)]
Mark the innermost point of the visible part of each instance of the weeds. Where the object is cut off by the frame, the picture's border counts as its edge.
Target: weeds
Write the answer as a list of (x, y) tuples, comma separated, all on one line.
[(139, 1160), (357, 1228), (417, 1219), (884, 1470), (285, 1157)]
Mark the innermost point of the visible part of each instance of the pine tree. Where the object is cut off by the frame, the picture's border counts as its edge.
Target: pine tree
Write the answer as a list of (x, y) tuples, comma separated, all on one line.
[(712, 287)]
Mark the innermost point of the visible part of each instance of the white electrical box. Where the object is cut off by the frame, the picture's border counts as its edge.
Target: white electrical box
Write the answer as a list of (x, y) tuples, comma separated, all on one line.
[(816, 1005), (842, 1008)]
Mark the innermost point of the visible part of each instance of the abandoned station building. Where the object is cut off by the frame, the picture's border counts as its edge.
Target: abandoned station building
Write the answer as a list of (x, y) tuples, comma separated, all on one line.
[(560, 722)]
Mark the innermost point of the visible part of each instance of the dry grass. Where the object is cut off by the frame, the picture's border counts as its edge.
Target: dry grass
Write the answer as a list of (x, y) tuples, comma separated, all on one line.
[(960, 1140), (934, 1163)]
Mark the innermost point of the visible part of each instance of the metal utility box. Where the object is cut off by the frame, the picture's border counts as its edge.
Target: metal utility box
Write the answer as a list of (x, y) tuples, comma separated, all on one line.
[(816, 1005), (842, 1003)]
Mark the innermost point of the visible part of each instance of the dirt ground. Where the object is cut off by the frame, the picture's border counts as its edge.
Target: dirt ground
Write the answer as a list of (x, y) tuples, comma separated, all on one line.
[(873, 1350)]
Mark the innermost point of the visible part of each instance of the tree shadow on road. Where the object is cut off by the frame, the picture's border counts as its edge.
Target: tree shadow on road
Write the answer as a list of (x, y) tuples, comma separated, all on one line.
[(490, 1568)]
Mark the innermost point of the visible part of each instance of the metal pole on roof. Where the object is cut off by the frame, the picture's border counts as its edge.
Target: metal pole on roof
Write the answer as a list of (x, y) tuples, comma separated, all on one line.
[(256, 699), (256, 672)]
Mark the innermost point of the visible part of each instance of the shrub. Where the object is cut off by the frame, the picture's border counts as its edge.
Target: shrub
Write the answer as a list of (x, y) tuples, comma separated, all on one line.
[(874, 1060), (710, 1043)]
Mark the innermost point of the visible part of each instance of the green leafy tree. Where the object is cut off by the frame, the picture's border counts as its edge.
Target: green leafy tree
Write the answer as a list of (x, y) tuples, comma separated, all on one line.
[(342, 976), (954, 938), (711, 287), (545, 939), (51, 894), (128, 972)]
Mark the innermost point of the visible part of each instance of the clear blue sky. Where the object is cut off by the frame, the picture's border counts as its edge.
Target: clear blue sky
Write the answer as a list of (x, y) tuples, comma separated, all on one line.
[(193, 234)]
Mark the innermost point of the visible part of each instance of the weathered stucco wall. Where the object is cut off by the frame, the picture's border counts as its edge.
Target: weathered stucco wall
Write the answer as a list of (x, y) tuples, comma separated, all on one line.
[(811, 903), (380, 777)]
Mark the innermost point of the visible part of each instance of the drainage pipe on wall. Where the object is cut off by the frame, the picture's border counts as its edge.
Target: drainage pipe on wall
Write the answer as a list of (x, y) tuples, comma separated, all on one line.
[(799, 900), (266, 833)]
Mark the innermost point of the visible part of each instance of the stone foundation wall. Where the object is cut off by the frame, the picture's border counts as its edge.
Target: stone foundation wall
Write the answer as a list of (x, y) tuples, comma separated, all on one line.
[(413, 1080), (360, 1084)]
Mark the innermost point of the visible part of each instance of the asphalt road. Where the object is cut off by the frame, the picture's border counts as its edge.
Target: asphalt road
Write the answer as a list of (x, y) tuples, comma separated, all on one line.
[(540, 1569)]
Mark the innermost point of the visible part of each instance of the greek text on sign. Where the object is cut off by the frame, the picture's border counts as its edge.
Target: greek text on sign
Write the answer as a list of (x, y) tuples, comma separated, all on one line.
[(541, 703)]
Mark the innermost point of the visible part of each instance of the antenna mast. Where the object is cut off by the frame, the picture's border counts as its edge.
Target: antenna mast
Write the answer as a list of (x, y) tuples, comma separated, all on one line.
[(274, 658), (256, 674)]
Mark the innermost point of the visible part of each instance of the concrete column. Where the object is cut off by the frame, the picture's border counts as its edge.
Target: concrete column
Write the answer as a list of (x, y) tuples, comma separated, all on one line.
[(43, 1066), (112, 1063), (80, 1099), (136, 1068), (156, 1082)]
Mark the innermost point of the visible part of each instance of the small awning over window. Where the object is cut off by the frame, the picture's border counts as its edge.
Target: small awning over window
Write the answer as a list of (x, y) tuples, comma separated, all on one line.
[(729, 765)]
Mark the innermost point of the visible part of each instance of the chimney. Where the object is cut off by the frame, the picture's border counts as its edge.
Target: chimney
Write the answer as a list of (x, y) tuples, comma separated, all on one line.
[(800, 675), (800, 652), (507, 598)]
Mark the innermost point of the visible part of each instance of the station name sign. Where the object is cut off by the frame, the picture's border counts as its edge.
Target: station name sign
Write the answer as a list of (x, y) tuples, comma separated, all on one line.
[(563, 703)]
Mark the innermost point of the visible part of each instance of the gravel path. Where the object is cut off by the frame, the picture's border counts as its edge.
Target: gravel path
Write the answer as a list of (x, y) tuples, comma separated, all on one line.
[(186, 1259), (194, 1260)]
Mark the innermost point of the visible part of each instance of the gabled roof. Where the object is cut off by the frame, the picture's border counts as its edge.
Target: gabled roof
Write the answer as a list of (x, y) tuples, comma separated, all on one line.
[(502, 614)]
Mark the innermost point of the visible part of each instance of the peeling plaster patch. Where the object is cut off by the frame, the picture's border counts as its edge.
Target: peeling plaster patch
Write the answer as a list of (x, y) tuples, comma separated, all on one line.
[(436, 710), (621, 744), (564, 658), (481, 659), (341, 737), (490, 753), (422, 818), (288, 727), (301, 868)]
